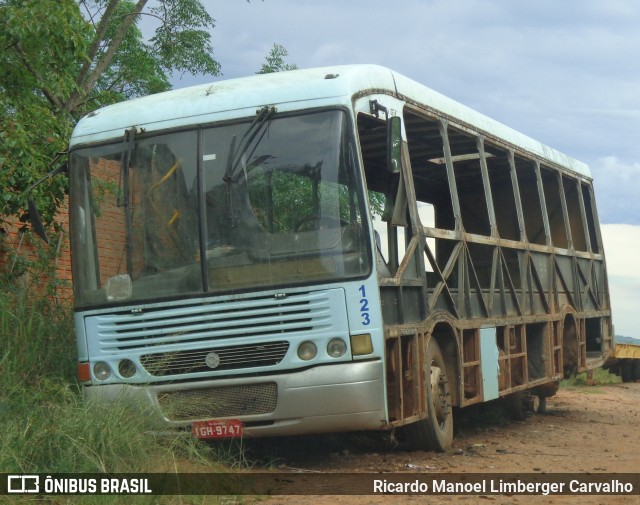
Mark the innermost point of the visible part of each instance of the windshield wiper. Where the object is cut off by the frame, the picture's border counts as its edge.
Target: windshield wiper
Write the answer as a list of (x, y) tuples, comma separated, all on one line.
[(123, 191), (237, 154), (256, 128)]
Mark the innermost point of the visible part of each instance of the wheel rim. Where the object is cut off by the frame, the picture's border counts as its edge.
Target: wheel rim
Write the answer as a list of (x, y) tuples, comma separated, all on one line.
[(439, 394)]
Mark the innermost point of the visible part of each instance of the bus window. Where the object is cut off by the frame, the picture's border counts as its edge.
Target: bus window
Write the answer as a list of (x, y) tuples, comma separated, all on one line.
[(433, 196), (136, 221), (575, 214), (504, 203), (471, 190), (281, 202), (426, 151), (554, 207), (592, 221), (427, 216), (376, 200), (390, 240), (164, 224), (531, 203)]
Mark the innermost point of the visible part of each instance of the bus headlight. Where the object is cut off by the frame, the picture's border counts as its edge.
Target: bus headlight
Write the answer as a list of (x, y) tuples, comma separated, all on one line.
[(336, 347), (127, 368), (307, 350), (101, 370)]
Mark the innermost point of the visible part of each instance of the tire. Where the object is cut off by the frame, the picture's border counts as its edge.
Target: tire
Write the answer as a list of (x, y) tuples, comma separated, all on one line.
[(635, 370), (542, 405), (515, 406), (435, 433), (626, 370)]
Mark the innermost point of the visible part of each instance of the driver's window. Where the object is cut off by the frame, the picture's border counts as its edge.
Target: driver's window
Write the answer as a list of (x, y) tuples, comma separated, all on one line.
[(391, 241)]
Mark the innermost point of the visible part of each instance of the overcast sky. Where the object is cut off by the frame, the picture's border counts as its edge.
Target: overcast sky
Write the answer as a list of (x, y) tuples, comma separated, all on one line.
[(566, 73)]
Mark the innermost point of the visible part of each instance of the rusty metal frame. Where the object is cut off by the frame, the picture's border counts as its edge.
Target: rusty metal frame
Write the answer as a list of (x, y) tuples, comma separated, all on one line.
[(570, 285)]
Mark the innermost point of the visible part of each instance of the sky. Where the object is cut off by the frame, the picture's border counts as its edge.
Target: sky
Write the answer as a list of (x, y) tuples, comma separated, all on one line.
[(566, 73)]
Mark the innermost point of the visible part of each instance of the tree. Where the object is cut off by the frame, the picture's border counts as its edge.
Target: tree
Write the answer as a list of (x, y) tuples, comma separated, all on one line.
[(60, 59), (275, 61)]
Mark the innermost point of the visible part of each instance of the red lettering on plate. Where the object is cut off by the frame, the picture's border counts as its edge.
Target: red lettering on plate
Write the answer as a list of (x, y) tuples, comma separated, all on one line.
[(217, 428)]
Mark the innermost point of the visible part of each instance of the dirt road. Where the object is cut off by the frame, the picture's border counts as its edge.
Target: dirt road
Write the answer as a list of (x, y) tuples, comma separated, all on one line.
[(585, 430)]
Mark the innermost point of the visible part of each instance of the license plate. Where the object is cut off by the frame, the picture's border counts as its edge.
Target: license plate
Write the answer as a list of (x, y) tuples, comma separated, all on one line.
[(217, 428)]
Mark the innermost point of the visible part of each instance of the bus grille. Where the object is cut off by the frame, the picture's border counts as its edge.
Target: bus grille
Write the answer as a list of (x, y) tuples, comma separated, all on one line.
[(219, 402), (257, 316), (221, 358)]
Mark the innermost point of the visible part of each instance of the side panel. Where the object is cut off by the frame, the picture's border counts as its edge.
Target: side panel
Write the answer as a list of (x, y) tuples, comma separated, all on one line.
[(489, 355), (487, 249)]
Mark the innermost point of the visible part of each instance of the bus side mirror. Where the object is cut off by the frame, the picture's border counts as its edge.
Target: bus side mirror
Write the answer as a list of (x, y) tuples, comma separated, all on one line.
[(34, 213), (36, 221), (394, 143)]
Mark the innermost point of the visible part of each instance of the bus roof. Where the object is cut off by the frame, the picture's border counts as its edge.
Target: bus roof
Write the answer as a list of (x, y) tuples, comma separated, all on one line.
[(292, 90)]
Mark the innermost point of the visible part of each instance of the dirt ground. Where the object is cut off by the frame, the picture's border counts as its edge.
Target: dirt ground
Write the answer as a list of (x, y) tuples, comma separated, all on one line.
[(585, 430)]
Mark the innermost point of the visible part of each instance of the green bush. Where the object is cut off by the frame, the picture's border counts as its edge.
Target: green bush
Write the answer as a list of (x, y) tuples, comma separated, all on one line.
[(37, 341), (48, 428), (600, 377)]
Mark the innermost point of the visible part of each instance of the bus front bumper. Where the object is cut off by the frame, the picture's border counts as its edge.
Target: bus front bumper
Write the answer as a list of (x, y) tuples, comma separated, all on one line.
[(323, 399)]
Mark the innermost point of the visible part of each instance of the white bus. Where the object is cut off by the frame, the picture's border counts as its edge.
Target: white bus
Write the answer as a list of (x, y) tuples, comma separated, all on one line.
[(325, 250)]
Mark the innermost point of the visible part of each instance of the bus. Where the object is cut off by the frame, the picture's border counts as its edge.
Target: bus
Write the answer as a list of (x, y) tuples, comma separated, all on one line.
[(327, 250)]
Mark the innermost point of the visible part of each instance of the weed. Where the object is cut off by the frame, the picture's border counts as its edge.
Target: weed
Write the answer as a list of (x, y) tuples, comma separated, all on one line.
[(48, 428), (600, 377)]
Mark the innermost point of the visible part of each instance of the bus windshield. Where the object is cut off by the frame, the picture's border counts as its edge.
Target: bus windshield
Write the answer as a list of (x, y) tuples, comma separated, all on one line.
[(263, 203)]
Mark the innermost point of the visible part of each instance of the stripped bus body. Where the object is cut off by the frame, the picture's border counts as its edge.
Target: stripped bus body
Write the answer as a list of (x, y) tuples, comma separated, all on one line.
[(327, 250)]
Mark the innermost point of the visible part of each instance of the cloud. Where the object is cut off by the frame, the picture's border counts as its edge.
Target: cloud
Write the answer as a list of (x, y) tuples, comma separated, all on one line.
[(621, 246), (617, 186), (560, 74), (622, 173)]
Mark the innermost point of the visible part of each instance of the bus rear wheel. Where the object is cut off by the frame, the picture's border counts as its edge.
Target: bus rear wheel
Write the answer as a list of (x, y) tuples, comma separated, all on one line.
[(626, 370), (435, 433)]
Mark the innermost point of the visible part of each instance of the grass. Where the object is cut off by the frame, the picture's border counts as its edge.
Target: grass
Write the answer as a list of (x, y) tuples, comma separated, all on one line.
[(601, 377), (47, 428)]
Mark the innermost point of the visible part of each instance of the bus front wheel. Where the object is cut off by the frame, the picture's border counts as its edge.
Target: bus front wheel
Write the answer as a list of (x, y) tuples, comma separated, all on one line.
[(626, 370), (435, 433)]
